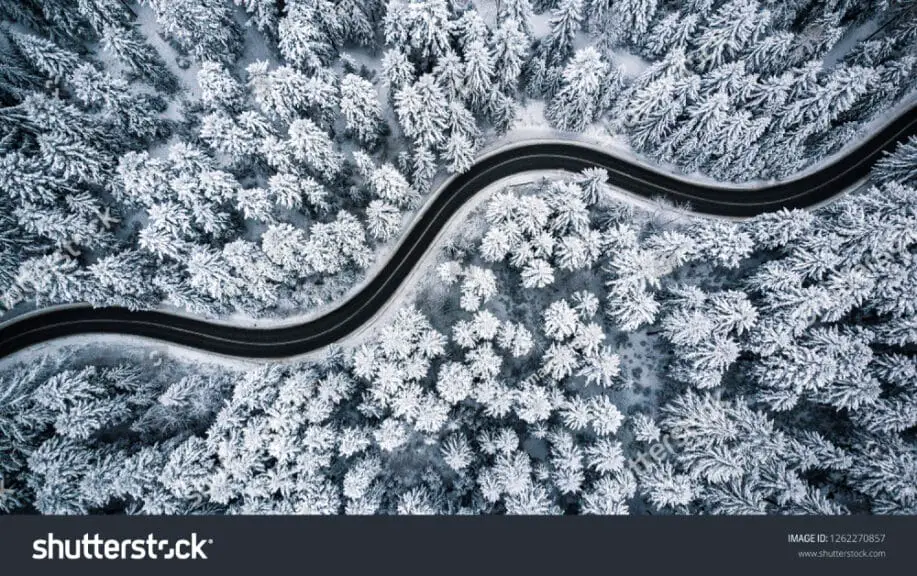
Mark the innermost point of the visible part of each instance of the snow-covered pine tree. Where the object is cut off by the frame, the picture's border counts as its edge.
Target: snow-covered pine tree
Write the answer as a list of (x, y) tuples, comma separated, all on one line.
[(588, 89), (301, 38), (566, 21), (204, 28), (45, 57), (730, 31), (361, 108)]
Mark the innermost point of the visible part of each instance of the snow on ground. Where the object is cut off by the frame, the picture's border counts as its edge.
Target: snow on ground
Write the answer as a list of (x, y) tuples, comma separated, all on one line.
[(488, 11), (642, 362), (541, 27), (95, 347), (541, 24), (632, 64), (187, 76), (850, 38), (256, 47)]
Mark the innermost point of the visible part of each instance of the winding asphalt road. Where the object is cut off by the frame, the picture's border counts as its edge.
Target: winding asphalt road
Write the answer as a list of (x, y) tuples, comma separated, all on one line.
[(804, 191)]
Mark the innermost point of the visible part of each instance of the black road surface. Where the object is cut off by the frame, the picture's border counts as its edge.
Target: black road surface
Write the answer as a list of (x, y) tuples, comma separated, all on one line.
[(808, 190)]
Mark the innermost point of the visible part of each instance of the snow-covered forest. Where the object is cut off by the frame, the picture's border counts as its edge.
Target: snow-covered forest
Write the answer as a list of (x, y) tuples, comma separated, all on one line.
[(241, 159), (569, 352)]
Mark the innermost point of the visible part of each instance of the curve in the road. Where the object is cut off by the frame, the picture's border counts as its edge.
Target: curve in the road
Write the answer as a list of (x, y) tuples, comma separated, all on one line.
[(807, 190)]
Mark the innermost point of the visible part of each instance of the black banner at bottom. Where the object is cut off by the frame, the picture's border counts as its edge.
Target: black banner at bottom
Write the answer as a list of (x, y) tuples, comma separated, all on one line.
[(506, 545)]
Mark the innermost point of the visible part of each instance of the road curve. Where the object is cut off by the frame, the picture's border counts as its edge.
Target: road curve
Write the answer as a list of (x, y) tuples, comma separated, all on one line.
[(281, 342)]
